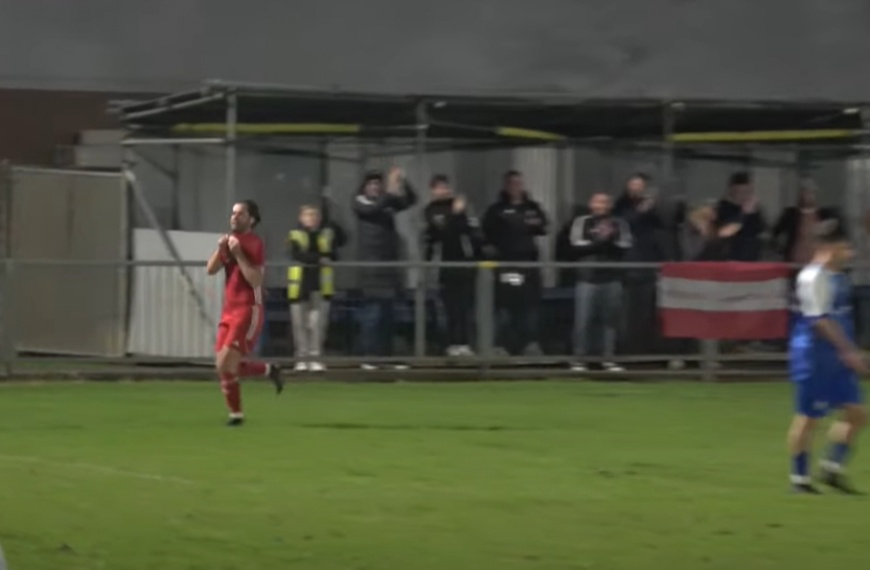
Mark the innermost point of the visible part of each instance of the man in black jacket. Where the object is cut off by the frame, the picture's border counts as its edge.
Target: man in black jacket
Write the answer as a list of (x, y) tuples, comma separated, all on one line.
[(453, 235), (510, 227), (598, 237), (740, 206), (639, 208), (376, 207)]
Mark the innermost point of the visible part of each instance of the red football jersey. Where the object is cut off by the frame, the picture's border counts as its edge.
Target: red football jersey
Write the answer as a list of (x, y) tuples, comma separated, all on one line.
[(237, 291)]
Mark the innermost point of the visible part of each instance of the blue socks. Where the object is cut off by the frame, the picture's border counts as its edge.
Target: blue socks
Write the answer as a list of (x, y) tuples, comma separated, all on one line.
[(838, 453), (800, 468)]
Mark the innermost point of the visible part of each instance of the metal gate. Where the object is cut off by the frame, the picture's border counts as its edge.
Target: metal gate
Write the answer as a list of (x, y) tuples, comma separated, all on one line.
[(61, 223)]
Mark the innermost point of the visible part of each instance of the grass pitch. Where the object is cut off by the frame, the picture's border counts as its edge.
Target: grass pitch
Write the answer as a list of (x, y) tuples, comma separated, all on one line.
[(143, 476)]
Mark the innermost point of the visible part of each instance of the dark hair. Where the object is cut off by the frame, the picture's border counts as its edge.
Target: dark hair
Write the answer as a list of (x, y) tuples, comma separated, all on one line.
[(439, 179), (739, 179), (512, 173), (253, 211), (373, 175), (640, 175)]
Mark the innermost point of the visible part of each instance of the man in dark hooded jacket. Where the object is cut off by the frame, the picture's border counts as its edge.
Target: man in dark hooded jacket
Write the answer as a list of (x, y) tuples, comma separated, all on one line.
[(376, 206), (640, 210), (511, 227)]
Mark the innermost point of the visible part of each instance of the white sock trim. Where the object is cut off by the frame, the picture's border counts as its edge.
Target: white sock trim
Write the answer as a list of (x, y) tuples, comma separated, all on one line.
[(236, 415), (800, 479), (830, 466)]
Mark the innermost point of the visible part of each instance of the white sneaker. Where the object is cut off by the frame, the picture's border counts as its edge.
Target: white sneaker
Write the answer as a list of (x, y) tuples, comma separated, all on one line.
[(579, 367), (454, 350), (368, 367), (301, 367), (613, 367), (401, 367), (465, 350), (316, 367)]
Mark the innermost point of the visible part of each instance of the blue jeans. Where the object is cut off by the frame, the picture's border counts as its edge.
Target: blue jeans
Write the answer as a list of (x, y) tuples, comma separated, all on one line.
[(597, 309), (376, 327)]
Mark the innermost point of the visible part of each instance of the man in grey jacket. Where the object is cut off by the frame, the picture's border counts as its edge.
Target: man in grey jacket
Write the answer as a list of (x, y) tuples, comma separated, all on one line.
[(376, 205), (598, 237)]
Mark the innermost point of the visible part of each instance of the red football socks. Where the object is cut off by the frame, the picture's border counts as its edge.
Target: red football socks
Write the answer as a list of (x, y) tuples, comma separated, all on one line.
[(252, 369), (232, 393)]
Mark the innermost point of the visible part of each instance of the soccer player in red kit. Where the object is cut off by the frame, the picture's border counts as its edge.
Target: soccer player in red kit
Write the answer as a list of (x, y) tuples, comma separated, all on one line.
[(242, 256)]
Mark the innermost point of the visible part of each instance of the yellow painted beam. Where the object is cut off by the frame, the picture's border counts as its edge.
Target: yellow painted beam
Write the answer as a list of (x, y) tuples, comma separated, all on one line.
[(518, 133), (765, 136)]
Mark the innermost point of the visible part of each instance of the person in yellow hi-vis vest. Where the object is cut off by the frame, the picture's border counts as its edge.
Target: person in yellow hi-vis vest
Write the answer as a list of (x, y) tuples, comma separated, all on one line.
[(310, 286)]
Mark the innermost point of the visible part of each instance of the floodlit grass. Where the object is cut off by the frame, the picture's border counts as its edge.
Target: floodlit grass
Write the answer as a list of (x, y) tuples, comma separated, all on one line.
[(412, 476)]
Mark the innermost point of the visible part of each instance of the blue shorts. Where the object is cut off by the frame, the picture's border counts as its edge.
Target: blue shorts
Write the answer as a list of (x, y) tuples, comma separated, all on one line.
[(816, 397)]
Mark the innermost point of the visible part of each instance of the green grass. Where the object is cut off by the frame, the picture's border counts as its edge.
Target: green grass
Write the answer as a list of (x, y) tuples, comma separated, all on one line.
[(412, 476)]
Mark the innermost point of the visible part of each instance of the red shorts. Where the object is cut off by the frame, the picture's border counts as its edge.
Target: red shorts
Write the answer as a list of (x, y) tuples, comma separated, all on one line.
[(239, 328)]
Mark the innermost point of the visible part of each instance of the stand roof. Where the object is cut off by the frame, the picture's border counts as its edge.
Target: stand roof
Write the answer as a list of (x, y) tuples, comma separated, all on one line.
[(265, 110)]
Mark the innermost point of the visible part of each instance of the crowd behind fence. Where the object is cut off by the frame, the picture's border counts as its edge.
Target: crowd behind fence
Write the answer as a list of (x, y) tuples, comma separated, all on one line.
[(512, 284), (161, 321)]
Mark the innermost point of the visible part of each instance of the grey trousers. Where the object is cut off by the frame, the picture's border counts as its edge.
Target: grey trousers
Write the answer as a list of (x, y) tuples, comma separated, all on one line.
[(310, 323), (597, 308)]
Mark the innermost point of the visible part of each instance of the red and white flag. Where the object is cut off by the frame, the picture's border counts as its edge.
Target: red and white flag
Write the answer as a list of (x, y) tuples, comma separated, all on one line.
[(735, 301)]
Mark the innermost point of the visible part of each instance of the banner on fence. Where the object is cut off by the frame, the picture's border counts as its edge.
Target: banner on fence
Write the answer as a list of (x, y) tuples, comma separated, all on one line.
[(726, 301)]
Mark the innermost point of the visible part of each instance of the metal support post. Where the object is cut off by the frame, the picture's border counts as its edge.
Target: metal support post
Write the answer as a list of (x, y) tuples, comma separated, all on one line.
[(8, 350), (232, 120), (485, 308), (175, 175), (420, 314), (709, 359), (420, 277)]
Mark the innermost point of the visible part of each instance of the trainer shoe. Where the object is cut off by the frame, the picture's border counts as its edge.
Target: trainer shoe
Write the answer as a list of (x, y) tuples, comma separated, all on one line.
[(316, 367), (368, 367), (613, 367), (235, 421), (579, 367), (804, 489), (301, 367), (274, 373), (838, 482)]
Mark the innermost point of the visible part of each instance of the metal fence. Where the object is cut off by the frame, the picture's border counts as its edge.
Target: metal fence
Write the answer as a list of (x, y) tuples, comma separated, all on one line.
[(169, 323)]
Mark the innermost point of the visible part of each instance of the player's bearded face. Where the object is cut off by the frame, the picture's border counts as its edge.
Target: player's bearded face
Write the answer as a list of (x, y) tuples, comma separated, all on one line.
[(240, 220)]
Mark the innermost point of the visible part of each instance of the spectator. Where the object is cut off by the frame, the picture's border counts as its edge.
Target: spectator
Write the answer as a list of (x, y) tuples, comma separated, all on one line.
[(376, 208), (740, 206), (564, 252), (793, 234), (310, 286), (703, 239), (599, 237), (510, 227), (638, 207), (454, 235)]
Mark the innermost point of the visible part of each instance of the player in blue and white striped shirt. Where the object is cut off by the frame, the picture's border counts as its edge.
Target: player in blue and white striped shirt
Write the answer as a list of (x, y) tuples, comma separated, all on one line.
[(825, 363)]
